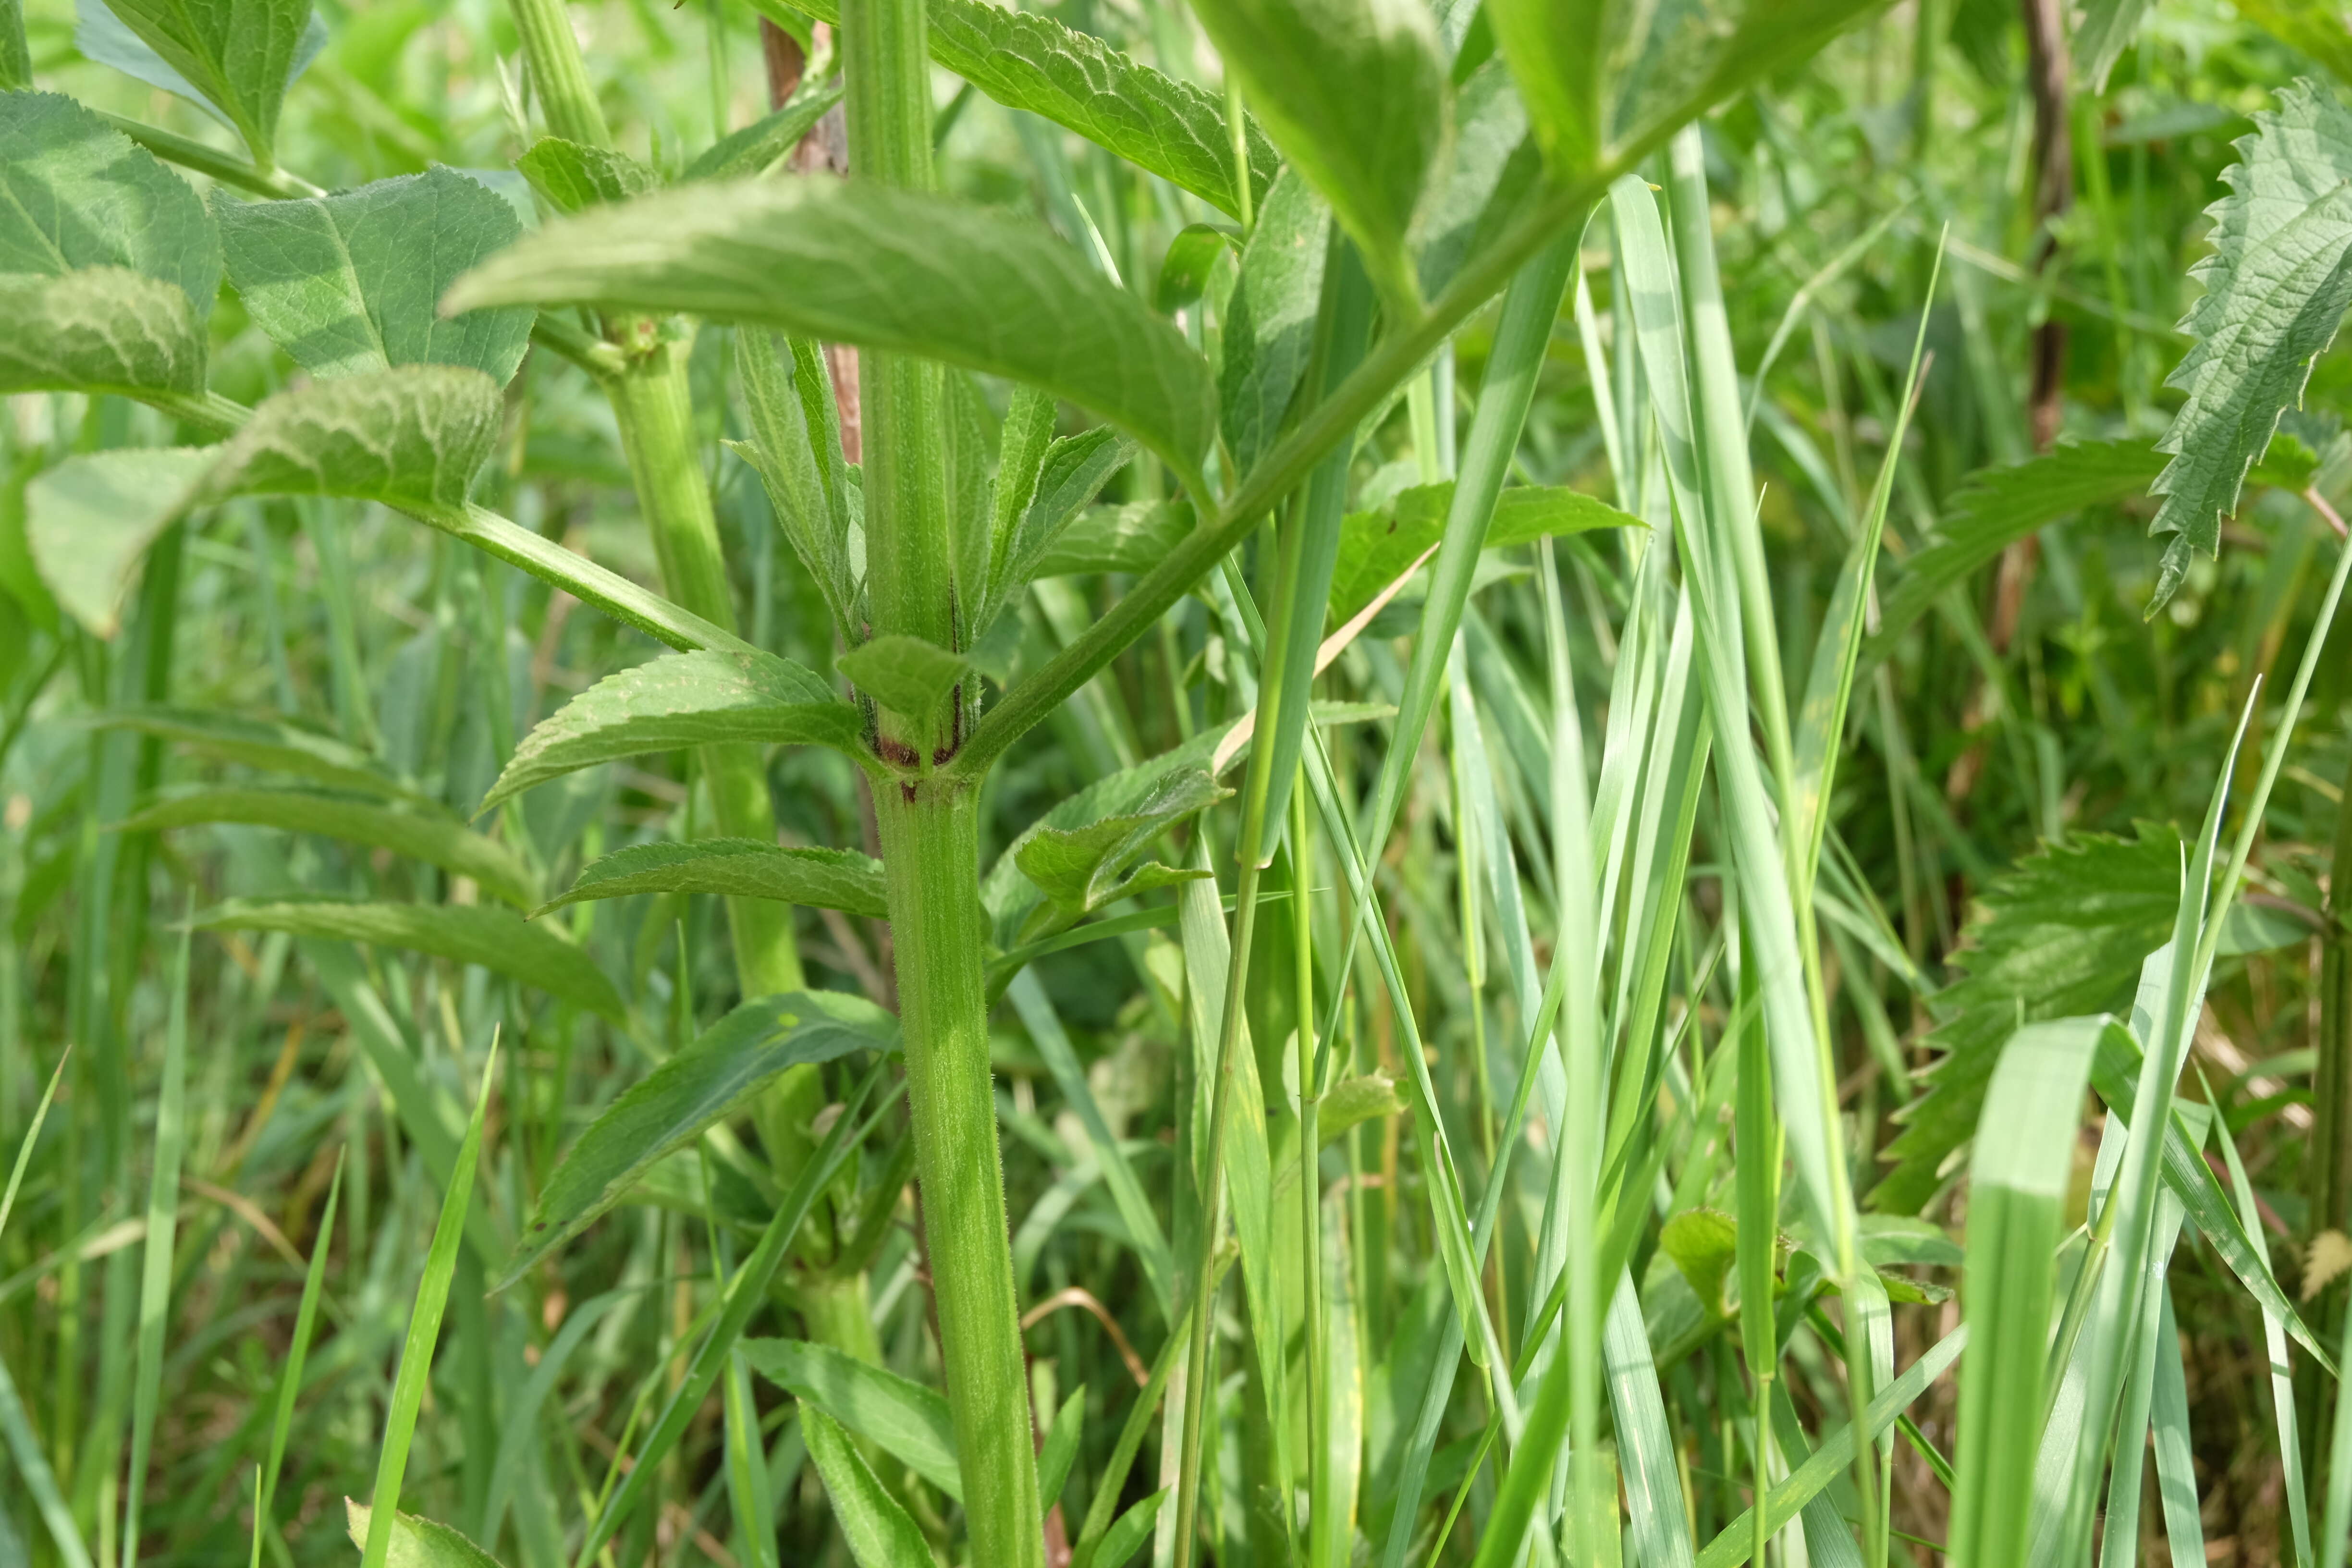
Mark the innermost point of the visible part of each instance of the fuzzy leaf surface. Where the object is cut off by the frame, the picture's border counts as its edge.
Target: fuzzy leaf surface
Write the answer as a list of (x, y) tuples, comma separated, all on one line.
[(681, 699), (435, 837), (2065, 929), (99, 329), (349, 282), (1130, 538), (725, 1065), (905, 674), (736, 869), (878, 1530), (410, 437), (1080, 869), (906, 1419), (857, 262), (75, 193), (240, 55), (572, 176), (2276, 288), (1354, 93), (796, 447), (1027, 60), (464, 933)]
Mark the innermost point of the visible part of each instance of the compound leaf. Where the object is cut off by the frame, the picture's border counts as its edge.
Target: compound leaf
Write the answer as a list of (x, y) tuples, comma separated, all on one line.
[(349, 283), (854, 261), (464, 933), (75, 193), (705, 698), (2276, 286), (735, 868), (727, 1064)]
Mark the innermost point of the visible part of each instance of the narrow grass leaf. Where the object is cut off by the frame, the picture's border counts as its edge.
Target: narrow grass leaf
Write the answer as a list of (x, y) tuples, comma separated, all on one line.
[(761, 145), (423, 1332), (842, 880), (272, 745), (857, 261), (298, 1351), (162, 1235), (1127, 1536), (462, 933), (32, 1466), (725, 1067), (1061, 1450)]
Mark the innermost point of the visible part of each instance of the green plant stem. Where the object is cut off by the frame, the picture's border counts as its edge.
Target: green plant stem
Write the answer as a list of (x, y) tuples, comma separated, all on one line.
[(1323, 1545), (559, 76), (930, 851), (225, 168)]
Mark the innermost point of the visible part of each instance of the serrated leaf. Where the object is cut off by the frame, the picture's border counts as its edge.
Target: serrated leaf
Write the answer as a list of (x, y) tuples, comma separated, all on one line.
[(1268, 332), (1354, 93), (682, 700), (905, 1419), (89, 520), (412, 437), (1073, 472), (239, 55), (855, 262), (349, 282), (416, 1542), (905, 674), (1025, 59), (571, 177), (2276, 288), (727, 1064), (1997, 506), (878, 1530), (75, 193), (2065, 931), (464, 933), (434, 837), (1602, 77), (270, 744), (736, 869), (100, 328), (1131, 537), (796, 447), (1079, 869), (766, 142), (1377, 545)]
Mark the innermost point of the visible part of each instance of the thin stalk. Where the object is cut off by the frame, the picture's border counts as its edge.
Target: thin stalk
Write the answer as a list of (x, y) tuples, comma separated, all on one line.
[(1320, 1541)]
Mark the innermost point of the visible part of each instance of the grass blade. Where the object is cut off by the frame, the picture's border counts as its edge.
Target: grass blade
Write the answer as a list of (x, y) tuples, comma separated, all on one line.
[(289, 1384), (162, 1232)]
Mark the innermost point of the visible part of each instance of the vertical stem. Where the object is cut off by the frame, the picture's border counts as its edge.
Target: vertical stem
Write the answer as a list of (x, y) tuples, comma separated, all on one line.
[(1322, 1544), (931, 852)]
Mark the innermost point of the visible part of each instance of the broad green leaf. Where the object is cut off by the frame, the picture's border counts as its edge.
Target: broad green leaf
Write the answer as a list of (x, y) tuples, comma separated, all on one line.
[(1703, 1245), (1081, 869), (1131, 537), (766, 142), (905, 674), (2017, 1193), (571, 177), (272, 745), (1184, 270), (1377, 545), (75, 193), (796, 447), (1490, 168), (412, 437), (880, 1534), (1996, 507), (416, 1542), (726, 1065), (240, 55), (681, 699), (2101, 36), (434, 837), (1354, 93), (89, 520), (1072, 473), (1268, 330), (1605, 77), (462, 933), (2311, 29), (99, 329), (856, 261), (1025, 59), (906, 1420), (2276, 286), (2065, 930), (349, 282), (735, 868)]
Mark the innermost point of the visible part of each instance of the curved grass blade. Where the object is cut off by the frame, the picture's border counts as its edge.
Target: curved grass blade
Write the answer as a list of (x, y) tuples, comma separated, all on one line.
[(162, 1234), (433, 838), (297, 1350)]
